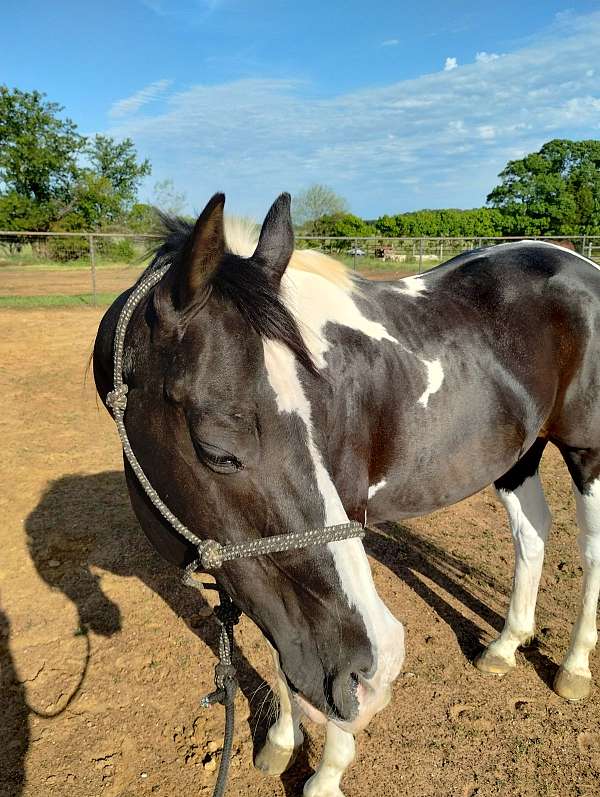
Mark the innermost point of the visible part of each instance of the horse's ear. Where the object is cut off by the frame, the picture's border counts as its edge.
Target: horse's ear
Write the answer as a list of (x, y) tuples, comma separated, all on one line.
[(205, 249), (276, 241)]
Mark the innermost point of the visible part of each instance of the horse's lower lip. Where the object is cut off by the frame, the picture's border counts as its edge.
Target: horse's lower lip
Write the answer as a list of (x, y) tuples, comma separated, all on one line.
[(311, 712)]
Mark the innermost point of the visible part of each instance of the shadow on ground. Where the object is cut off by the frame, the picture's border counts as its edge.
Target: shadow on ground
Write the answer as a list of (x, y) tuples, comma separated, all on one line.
[(86, 521), (411, 557), (14, 725)]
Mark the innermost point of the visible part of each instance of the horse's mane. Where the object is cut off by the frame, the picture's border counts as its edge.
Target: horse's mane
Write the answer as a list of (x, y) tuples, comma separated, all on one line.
[(242, 233), (249, 288)]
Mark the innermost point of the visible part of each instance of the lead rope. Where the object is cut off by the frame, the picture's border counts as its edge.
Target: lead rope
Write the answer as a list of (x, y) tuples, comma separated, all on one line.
[(211, 554), (227, 615)]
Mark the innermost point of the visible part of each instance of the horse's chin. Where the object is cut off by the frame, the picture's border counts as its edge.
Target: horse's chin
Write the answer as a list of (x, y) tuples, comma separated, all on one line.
[(369, 705)]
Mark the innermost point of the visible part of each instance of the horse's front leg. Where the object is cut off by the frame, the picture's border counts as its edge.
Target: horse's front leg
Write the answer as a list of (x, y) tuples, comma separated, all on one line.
[(284, 737), (338, 754)]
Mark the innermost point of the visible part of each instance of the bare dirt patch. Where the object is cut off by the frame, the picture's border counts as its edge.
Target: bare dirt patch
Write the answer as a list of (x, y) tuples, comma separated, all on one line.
[(96, 629), (25, 281)]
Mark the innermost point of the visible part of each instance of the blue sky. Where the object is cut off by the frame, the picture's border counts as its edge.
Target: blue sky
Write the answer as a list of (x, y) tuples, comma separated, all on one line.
[(397, 106)]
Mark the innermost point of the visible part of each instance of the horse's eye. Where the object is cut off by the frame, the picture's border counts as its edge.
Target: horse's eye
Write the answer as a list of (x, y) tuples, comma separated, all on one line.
[(216, 458)]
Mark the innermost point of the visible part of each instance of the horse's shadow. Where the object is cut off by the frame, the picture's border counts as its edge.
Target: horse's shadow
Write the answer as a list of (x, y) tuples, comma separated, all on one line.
[(86, 521), (410, 556)]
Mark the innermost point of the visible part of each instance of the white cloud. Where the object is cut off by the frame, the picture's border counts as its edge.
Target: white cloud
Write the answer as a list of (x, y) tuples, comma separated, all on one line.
[(485, 58), (436, 140), (142, 97), (486, 132), (450, 64), (390, 43)]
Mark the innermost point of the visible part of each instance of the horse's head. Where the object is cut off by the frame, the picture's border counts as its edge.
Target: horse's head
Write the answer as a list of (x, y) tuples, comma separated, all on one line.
[(219, 415)]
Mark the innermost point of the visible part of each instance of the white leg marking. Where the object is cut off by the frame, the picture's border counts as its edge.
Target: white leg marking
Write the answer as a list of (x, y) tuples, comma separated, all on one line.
[(284, 737), (411, 286), (375, 488), (385, 633), (530, 522), (585, 634), (435, 378), (338, 754)]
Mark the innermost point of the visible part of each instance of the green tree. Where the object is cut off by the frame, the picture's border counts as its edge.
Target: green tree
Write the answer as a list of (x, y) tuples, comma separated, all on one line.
[(117, 162), (38, 149), (555, 191), (316, 201), (342, 224), (451, 222), (51, 177)]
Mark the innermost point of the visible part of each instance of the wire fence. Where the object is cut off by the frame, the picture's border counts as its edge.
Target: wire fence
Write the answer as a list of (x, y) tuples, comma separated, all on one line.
[(92, 268)]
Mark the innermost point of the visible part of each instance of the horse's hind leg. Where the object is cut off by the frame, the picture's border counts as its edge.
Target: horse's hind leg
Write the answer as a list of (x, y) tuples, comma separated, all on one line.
[(573, 680), (520, 491), (284, 737)]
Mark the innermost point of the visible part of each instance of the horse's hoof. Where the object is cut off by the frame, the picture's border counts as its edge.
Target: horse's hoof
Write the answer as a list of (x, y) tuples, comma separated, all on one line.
[(490, 663), (312, 788), (273, 759), (571, 686)]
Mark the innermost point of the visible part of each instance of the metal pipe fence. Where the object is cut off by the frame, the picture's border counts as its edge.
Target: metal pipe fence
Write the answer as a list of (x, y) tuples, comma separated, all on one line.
[(96, 266)]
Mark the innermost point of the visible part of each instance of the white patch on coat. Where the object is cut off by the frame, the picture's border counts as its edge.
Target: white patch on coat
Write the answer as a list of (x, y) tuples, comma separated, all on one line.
[(375, 488), (315, 302), (384, 631), (435, 378), (411, 286)]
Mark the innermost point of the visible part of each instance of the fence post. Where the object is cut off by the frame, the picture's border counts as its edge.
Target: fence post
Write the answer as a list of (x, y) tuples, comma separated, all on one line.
[(420, 255), (354, 247), (93, 264), (583, 242)]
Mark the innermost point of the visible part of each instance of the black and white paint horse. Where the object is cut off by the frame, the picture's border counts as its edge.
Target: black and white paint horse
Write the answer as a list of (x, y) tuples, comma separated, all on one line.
[(270, 391)]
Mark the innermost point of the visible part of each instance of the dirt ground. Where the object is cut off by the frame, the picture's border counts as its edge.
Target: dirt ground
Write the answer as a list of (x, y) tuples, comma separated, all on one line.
[(22, 281), (104, 655)]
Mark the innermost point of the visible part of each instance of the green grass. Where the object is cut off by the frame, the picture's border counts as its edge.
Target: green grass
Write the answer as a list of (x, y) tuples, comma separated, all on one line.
[(56, 300)]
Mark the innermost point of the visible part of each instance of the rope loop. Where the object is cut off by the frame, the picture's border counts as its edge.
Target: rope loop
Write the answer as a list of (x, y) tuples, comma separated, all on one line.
[(211, 555), (117, 398), (227, 613)]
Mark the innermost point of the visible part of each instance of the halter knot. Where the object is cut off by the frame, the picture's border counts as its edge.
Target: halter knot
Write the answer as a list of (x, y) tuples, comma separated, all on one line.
[(223, 673), (211, 555), (227, 613), (117, 398)]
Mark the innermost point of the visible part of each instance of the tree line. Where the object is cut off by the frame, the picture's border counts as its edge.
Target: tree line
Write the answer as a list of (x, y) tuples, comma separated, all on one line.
[(54, 178), (555, 191)]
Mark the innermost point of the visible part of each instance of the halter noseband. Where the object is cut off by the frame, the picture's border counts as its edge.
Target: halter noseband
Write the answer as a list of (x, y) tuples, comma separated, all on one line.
[(211, 554)]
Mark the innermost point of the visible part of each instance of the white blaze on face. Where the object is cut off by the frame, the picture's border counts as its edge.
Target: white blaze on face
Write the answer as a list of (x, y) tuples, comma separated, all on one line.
[(351, 563)]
